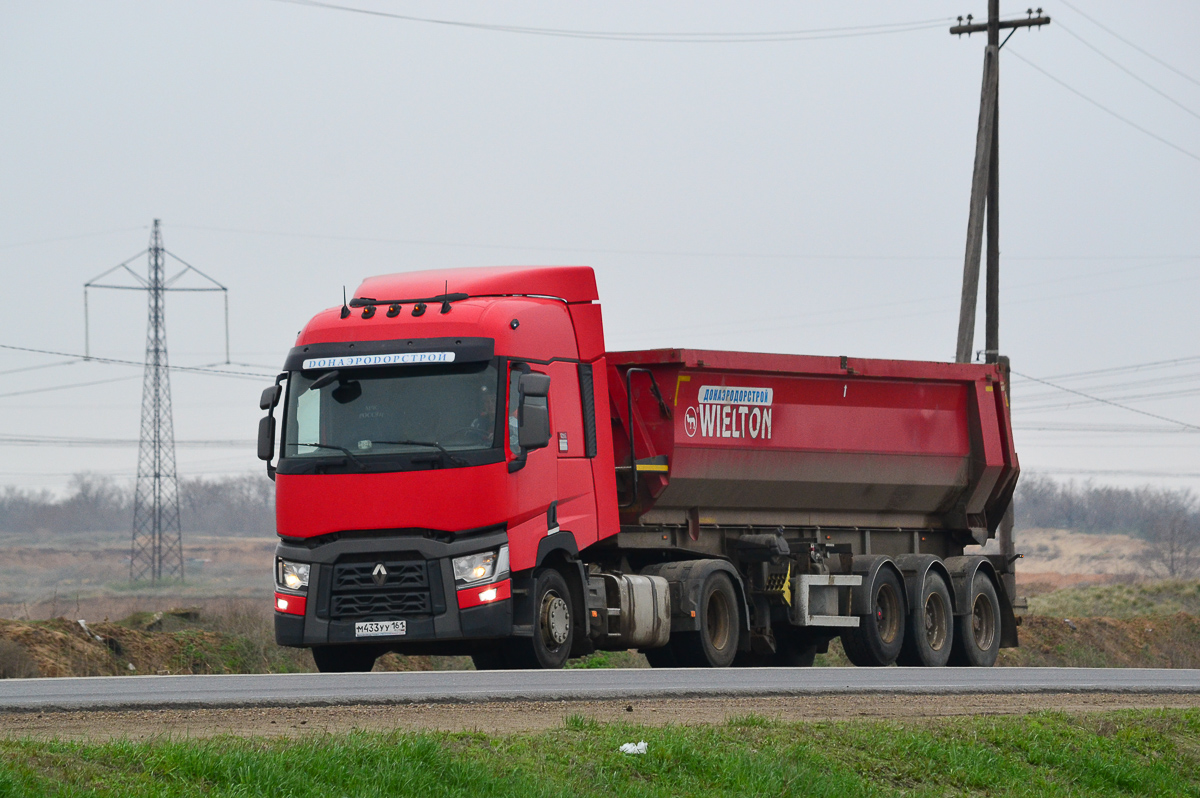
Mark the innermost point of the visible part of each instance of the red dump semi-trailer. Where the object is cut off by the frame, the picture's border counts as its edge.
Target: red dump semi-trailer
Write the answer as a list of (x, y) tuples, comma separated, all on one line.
[(462, 468)]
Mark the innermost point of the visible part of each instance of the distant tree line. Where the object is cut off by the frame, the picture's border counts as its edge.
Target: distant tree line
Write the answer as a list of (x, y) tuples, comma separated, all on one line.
[(236, 505), (1167, 519)]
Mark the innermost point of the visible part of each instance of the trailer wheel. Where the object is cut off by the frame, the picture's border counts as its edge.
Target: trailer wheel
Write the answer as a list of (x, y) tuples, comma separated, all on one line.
[(930, 635), (880, 633), (553, 625), (716, 643), (345, 659), (977, 633)]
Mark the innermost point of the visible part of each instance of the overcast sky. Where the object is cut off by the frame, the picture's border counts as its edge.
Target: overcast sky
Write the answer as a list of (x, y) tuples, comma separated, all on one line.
[(806, 196)]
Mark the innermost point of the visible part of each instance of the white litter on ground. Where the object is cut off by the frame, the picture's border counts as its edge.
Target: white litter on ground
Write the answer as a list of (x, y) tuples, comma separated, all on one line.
[(634, 748)]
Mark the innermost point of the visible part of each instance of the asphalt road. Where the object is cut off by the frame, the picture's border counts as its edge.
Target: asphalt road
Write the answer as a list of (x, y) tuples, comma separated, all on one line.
[(310, 689)]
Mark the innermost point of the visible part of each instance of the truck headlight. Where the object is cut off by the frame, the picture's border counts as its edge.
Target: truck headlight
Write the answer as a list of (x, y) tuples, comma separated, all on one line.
[(485, 566), (291, 575)]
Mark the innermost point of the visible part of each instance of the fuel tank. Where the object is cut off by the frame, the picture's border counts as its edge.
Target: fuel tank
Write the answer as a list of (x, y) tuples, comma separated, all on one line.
[(734, 438)]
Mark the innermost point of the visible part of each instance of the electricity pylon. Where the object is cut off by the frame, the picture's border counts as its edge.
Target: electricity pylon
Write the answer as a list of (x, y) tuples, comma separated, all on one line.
[(157, 549)]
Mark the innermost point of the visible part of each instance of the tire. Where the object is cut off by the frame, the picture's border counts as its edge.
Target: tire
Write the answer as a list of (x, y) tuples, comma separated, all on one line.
[(345, 658), (716, 643), (553, 625), (977, 633), (880, 633), (929, 637)]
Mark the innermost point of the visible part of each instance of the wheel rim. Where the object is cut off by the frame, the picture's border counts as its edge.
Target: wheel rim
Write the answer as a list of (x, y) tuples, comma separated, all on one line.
[(887, 613), (935, 621), (983, 623), (555, 619), (718, 620)]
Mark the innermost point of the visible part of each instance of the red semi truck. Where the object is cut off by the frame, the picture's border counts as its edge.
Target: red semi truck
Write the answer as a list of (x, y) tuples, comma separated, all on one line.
[(463, 469)]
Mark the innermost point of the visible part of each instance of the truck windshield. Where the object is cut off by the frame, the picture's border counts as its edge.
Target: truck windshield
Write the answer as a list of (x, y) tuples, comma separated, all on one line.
[(361, 414)]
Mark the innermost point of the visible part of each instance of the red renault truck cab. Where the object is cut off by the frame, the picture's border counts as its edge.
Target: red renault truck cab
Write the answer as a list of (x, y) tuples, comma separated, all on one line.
[(461, 468), (417, 469)]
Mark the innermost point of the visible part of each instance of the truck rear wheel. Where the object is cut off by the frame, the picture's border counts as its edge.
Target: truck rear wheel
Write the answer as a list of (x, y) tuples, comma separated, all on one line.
[(345, 659), (880, 633), (553, 625), (716, 643), (977, 633), (930, 633)]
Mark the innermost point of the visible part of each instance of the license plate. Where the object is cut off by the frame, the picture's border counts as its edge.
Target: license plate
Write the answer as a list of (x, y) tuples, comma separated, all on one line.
[(380, 628)]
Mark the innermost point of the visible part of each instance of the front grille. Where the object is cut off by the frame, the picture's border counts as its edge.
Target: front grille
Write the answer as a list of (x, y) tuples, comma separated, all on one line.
[(401, 575), (381, 605), (404, 591)]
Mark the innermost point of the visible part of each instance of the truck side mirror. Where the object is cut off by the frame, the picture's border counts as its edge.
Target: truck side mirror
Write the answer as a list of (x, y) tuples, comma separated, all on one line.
[(270, 397), (266, 438), (534, 432), (535, 384), (266, 425)]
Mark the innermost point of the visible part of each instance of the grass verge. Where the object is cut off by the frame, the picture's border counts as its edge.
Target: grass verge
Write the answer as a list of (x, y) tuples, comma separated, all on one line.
[(1123, 753), (1122, 601)]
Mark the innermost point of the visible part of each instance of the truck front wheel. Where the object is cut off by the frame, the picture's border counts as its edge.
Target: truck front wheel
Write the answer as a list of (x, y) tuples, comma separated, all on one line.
[(345, 659), (716, 643), (880, 632), (553, 625)]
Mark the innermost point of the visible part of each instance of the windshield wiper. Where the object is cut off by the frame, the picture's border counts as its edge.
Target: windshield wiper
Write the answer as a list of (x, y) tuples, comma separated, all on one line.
[(433, 444), (341, 449)]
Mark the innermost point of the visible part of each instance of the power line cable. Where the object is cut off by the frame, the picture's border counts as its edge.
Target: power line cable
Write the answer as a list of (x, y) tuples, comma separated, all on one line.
[(1105, 108), (1132, 367), (94, 359), (1141, 50), (42, 366), (70, 238), (741, 324), (1044, 404), (1114, 472), (51, 440), (1127, 70), (1108, 402), (732, 37), (1098, 429), (663, 253), (72, 385), (1124, 385)]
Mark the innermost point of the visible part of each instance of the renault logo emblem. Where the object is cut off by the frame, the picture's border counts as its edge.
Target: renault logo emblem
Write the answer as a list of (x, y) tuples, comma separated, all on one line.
[(379, 574)]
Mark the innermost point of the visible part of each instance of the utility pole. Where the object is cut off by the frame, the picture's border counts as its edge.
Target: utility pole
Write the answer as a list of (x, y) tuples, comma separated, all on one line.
[(157, 548), (985, 194), (985, 187)]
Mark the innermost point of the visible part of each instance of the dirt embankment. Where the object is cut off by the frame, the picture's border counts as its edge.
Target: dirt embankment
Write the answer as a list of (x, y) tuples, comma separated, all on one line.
[(1162, 641), (180, 642), (65, 648)]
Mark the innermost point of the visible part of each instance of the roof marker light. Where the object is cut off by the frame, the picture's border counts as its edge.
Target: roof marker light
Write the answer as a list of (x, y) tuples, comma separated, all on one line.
[(393, 310)]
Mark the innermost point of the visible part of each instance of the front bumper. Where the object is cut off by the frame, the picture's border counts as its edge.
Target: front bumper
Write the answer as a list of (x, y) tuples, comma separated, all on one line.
[(430, 608)]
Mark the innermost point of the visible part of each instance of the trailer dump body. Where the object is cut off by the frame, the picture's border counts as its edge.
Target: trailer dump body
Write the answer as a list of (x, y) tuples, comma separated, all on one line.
[(815, 441), (461, 468)]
